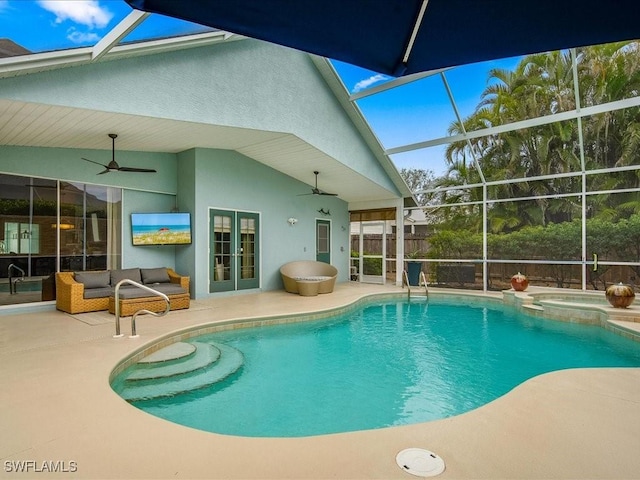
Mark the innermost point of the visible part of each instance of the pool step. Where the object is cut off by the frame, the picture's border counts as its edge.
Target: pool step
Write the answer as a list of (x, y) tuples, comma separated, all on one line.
[(204, 354), (174, 352), (533, 308), (209, 364)]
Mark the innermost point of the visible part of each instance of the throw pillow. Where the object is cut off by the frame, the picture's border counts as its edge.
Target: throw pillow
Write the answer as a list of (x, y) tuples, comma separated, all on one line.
[(128, 273), (154, 275), (92, 279)]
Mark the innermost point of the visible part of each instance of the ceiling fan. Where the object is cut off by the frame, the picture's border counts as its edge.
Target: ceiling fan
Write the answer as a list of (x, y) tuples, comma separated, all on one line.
[(113, 166), (316, 191)]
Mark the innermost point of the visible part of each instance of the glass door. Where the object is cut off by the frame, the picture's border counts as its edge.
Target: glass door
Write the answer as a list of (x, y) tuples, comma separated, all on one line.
[(372, 252), (247, 250), (233, 253), (323, 241)]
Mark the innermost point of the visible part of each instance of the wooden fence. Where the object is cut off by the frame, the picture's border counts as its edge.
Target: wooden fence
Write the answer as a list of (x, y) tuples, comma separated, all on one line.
[(457, 275)]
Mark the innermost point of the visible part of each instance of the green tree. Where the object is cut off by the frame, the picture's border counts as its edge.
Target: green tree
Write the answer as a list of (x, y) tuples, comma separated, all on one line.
[(418, 180), (541, 85)]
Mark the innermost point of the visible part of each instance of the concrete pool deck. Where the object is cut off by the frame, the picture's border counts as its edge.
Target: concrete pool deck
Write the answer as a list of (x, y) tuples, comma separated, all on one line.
[(57, 411)]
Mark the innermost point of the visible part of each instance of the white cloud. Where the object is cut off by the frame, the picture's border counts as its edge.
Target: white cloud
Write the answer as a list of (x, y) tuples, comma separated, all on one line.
[(84, 12), (367, 82), (82, 37), (4, 5)]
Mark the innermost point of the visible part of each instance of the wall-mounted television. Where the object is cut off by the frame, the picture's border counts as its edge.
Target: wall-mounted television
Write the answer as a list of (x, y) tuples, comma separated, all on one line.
[(161, 228)]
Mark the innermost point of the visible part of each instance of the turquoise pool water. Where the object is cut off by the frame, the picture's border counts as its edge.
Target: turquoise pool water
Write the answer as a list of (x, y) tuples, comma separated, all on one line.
[(26, 286), (387, 364)]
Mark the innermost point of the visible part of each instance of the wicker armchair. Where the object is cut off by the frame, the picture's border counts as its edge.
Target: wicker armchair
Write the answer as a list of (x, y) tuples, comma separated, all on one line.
[(70, 296)]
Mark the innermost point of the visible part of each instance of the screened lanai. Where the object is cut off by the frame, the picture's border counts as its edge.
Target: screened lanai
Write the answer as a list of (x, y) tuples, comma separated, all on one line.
[(520, 164), (527, 164)]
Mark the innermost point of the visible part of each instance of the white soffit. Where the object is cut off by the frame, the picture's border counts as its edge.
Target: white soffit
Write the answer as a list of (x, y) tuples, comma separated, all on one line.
[(39, 125)]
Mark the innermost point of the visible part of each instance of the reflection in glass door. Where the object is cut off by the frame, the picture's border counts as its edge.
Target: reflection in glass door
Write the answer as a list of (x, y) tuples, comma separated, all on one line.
[(233, 254), (48, 226), (247, 253)]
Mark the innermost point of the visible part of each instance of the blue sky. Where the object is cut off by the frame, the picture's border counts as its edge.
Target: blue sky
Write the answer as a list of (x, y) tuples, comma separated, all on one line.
[(421, 110), (413, 113), (42, 25)]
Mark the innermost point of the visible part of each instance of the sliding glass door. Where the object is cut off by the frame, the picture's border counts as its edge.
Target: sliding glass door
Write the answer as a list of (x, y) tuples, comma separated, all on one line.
[(48, 226)]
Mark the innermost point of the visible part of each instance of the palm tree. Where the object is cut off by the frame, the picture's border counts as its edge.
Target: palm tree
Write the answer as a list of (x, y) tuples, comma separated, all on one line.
[(542, 84)]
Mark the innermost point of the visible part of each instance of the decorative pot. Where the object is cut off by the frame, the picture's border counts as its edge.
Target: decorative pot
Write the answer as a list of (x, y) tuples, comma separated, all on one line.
[(620, 295), (413, 272), (519, 282)]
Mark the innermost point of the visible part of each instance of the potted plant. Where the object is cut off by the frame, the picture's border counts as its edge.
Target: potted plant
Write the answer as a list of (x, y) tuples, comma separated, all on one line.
[(414, 267)]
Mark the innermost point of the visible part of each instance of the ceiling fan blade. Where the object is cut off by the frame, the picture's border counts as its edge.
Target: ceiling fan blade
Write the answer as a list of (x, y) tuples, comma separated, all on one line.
[(113, 165), (140, 170), (92, 161), (316, 191)]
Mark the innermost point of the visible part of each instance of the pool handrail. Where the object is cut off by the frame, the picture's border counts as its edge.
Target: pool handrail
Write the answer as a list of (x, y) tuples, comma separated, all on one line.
[(405, 281), (422, 278), (14, 280), (155, 293)]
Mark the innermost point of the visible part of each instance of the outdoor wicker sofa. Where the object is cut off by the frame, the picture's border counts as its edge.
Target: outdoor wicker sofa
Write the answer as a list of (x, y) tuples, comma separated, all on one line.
[(89, 291), (308, 277)]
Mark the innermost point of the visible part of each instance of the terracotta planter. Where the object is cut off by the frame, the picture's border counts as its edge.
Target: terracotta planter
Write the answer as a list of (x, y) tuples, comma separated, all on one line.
[(519, 282), (620, 295)]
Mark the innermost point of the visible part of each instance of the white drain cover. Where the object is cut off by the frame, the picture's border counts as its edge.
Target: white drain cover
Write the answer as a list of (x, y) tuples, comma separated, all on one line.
[(420, 462)]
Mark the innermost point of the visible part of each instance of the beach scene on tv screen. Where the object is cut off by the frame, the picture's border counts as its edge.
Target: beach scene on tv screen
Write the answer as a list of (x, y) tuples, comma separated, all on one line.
[(160, 228)]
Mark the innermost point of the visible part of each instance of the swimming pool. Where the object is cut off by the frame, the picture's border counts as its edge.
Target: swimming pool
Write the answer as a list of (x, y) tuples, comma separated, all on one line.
[(388, 363), (26, 286)]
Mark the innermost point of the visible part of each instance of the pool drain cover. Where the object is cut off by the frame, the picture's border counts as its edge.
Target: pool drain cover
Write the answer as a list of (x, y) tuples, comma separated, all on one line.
[(420, 462)]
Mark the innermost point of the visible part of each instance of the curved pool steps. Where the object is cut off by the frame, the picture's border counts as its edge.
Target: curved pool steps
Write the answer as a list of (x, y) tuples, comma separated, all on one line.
[(172, 353), (204, 354), (209, 364)]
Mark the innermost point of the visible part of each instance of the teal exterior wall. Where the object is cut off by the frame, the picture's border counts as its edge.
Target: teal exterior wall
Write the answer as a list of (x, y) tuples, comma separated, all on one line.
[(200, 179), (134, 201), (67, 164), (227, 180), (186, 202)]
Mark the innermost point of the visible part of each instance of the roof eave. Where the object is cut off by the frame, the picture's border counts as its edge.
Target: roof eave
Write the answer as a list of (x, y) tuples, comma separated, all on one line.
[(38, 62), (333, 80)]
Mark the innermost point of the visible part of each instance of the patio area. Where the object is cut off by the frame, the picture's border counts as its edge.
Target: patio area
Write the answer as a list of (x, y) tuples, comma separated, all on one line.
[(56, 405)]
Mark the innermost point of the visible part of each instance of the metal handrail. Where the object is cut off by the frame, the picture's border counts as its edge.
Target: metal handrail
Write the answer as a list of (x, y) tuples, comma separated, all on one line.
[(423, 277), (405, 281), (141, 311), (12, 283)]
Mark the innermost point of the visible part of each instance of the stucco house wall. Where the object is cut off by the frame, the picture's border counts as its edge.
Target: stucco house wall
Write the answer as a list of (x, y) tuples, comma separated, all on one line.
[(246, 84), (227, 180)]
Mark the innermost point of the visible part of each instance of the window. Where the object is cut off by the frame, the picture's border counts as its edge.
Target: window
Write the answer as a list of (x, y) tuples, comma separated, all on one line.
[(48, 226)]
